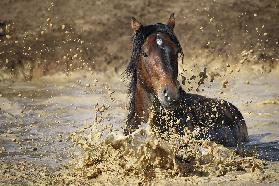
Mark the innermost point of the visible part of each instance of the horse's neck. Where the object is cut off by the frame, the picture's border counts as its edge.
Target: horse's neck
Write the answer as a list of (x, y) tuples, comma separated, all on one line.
[(143, 101), (139, 106)]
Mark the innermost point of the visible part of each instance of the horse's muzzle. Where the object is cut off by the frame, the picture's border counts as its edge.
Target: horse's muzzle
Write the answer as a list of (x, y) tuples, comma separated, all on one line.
[(168, 97)]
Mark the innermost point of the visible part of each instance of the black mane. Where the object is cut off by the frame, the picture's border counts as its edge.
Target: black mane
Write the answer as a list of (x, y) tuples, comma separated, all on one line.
[(138, 40)]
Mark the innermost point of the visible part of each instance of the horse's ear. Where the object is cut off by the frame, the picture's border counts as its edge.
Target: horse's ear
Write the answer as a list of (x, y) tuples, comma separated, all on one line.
[(171, 21), (135, 24)]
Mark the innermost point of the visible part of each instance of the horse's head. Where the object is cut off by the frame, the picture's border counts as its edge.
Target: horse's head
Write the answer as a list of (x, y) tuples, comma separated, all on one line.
[(157, 67)]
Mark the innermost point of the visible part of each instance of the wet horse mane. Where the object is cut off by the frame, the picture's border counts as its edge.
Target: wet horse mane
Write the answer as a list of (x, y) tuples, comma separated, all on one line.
[(137, 41)]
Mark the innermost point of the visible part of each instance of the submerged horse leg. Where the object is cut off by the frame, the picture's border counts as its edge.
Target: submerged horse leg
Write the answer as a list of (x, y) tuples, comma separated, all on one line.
[(139, 109)]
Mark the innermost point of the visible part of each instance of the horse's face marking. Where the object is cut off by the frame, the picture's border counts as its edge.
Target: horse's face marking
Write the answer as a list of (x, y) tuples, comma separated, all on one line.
[(158, 67), (159, 41)]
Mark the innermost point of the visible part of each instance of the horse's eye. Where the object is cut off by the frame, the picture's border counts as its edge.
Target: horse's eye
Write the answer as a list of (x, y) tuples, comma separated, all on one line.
[(144, 54)]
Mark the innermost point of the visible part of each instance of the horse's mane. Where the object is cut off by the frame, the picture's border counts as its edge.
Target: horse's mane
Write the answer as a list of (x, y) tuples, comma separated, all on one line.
[(137, 41)]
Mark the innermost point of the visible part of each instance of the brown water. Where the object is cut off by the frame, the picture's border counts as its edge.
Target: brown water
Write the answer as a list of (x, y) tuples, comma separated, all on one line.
[(37, 117), (40, 119)]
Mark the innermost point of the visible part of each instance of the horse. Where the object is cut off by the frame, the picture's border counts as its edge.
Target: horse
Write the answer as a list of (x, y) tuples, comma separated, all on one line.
[(154, 90)]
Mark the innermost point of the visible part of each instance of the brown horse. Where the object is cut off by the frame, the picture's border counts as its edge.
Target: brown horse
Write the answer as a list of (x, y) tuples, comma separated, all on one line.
[(154, 87)]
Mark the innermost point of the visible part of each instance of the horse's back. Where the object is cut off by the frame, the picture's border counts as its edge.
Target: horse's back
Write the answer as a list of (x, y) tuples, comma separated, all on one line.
[(223, 121)]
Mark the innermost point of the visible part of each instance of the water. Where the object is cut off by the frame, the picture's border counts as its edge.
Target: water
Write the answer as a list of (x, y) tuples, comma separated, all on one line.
[(37, 117)]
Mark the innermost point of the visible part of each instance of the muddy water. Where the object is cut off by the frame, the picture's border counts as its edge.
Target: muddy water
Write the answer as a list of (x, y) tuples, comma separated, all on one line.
[(38, 117)]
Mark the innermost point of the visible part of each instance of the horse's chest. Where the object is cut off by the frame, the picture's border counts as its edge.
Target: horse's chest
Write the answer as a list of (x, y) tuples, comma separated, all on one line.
[(166, 120)]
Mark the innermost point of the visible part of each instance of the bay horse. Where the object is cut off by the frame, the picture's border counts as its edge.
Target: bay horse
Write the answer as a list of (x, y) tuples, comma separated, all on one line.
[(153, 69)]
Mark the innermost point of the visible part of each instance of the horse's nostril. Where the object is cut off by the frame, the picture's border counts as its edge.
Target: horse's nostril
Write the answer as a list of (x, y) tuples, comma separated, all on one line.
[(165, 93), (168, 96)]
